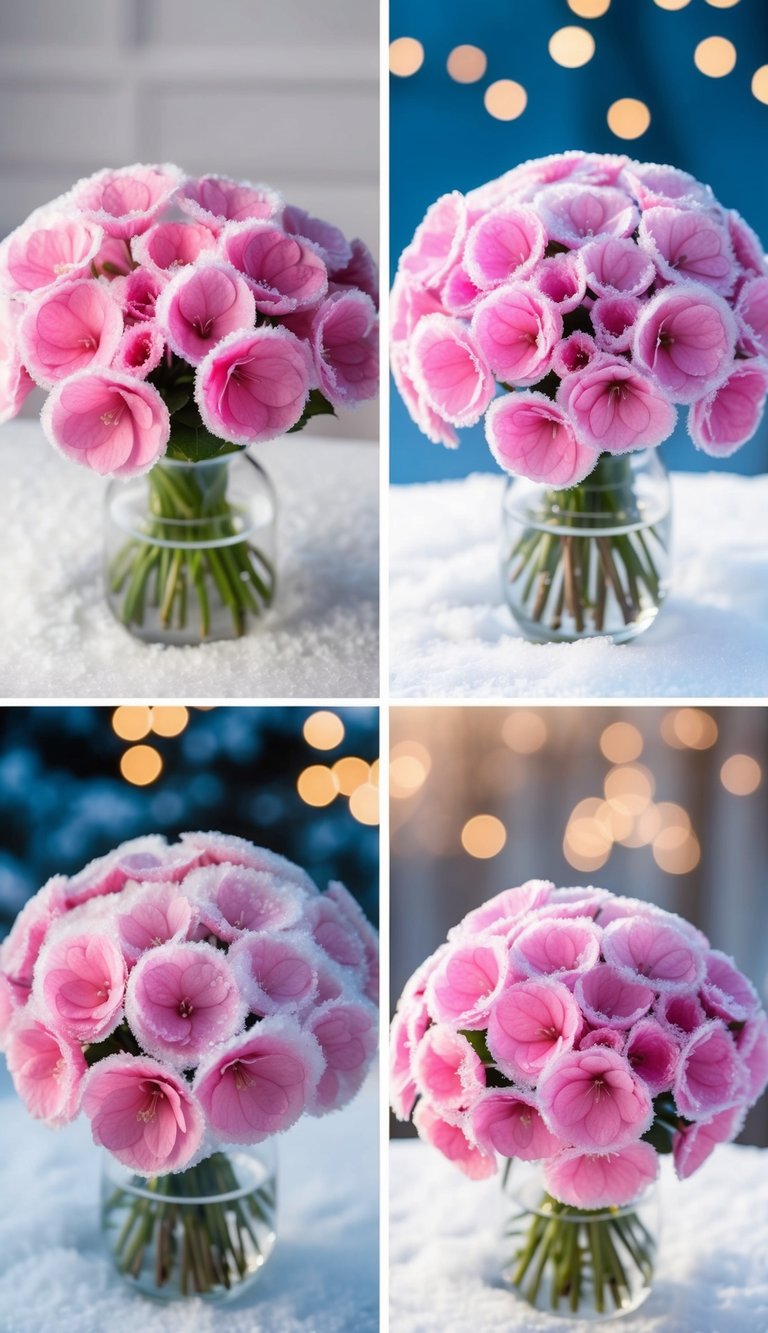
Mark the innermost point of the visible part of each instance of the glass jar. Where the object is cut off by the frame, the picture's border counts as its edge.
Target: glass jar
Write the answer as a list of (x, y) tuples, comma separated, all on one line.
[(190, 550), (593, 560), (206, 1231)]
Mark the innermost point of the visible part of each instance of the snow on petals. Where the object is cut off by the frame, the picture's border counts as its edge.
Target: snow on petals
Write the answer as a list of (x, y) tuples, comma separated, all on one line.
[(200, 306), (615, 407), (260, 1083), (143, 1113), (531, 436), (253, 386), (126, 201), (450, 370), (601, 1180), (108, 421)]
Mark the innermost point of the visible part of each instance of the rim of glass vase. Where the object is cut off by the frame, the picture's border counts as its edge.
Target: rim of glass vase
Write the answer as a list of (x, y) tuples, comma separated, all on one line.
[(608, 1213)]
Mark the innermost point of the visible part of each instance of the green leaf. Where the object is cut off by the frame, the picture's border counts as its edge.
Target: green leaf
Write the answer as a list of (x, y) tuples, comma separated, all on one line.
[(317, 405), (175, 397), (659, 1137), (478, 1043)]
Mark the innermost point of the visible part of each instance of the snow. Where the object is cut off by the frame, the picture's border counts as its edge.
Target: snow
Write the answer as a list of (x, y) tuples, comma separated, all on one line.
[(60, 640), (452, 634), (322, 1277), (446, 1251)]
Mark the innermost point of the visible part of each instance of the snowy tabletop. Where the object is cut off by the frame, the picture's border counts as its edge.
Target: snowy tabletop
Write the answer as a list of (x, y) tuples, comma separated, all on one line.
[(446, 1251), (60, 640), (322, 1278), (453, 636)]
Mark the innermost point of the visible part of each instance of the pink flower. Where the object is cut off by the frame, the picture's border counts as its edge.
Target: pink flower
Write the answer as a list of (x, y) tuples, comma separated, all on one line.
[(285, 273), (216, 200), (447, 1069), (532, 1022), (729, 416), (557, 948), (613, 319), (12, 998), (606, 996), (467, 982), (138, 293), (127, 201), (707, 1079), (172, 245), (516, 329), (402, 1084), (140, 350), (680, 1012), (360, 271), (689, 243), (653, 184), (507, 1121), (615, 407), (15, 382), (439, 241), (562, 279), (573, 213), (531, 436), (336, 934), (685, 338), (601, 1180), (148, 859), (200, 306), (20, 949), (459, 295), (110, 422), (47, 1070), (428, 421), (752, 310), (504, 907), (611, 1037), (450, 371), (277, 971), (151, 914), (113, 260), (644, 948), (752, 1044), (452, 1142), (345, 343), (330, 241), (725, 990), (46, 252), (261, 1082), (143, 1113), (225, 848), (408, 303), (593, 1100), (180, 999), (347, 1034), (746, 245), (253, 386), (653, 1055), (615, 266), (693, 1144), (352, 912), (504, 244), (80, 982), (574, 353), (73, 326)]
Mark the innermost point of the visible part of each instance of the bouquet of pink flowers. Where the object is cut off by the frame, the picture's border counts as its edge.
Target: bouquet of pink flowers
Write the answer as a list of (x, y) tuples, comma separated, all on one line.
[(588, 1032), (182, 318), (188, 998), (599, 294)]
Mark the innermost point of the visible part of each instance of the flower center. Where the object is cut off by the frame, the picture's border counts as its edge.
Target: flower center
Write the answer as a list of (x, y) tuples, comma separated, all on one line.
[(186, 1008), (112, 416), (88, 343), (149, 1112), (551, 1033), (598, 1088), (61, 268), (58, 1069), (242, 1078)]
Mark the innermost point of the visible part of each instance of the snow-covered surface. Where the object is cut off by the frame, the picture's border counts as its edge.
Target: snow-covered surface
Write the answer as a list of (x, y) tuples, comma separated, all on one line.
[(60, 640), (446, 1251), (453, 635), (321, 1278)]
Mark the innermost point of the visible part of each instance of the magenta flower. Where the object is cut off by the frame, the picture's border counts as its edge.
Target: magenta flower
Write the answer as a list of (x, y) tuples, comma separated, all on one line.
[(277, 971), (653, 1055), (726, 418), (649, 949), (608, 997), (452, 1142), (610, 1037), (516, 329), (727, 993), (531, 1023), (447, 1069), (80, 983), (689, 243), (355, 917), (613, 319), (152, 914), (143, 1113), (15, 381), (127, 201), (47, 1070), (172, 245), (347, 1034), (685, 338), (140, 350), (438, 243), (180, 999), (138, 293), (709, 1072), (593, 1100), (506, 1121), (459, 295), (260, 1083), (503, 245), (562, 279), (467, 982), (573, 213), (615, 407), (601, 1180), (44, 253), (330, 241), (752, 310), (214, 201), (557, 948), (73, 326), (336, 933), (450, 371), (200, 306), (225, 848), (110, 422), (615, 266), (345, 344), (693, 1144), (752, 1044), (680, 1013), (285, 273), (253, 386), (360, 271), (531, 436), (574, 353)]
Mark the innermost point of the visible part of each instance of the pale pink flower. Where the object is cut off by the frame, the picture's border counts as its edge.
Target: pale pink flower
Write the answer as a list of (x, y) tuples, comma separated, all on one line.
[(260, 1083), (276, 970), (140, 350), (729, 416), (172, 245), (504, 244), (467, 982), (574, 353), (54, 249), (452, 1142), (110, 422), (329, 240), (15, 381), (408, 303), (752, 1044), (216, 200), (80, 982), (689, 243), (347, 1034), (143, 1113), (593, 1100), (138, 293), (685, 338), (435, 427), (450, 371), (226, 848), (253, 386), (459, 295), (653, 1055), (531, 436), (617, 907), (655, 951), (47, 1070), (149, 915), (126, 201), (447, 1069), (113, 260), (680, 1012), (601, 1180), (652, 183), (360, 271), (336, 934), (615, 407), (21, 947), (516, 329), (506, 1121), (13, 997), (331, 982), (200, 306), (355, 916), (439, 241), (557, 948), (147, 858), (611, 1037), (615, 266), (726, 992), (345, 344), (65, 330), (530, 1023), (746, 245), (402, 1084), (752, 310), (562, 279), (573, 213), (693, 1144), (613, 320), (608, 997), (285, 273), (708, 1075), (180, 999), (504, 907)]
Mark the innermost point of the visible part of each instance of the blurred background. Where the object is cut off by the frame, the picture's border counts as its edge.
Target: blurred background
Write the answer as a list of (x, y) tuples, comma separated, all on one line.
[(664, 804), (74, 782), (280, 91), (477, 89)]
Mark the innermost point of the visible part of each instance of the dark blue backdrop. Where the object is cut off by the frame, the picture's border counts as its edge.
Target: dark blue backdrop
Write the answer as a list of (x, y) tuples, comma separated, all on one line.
[(442, 138)]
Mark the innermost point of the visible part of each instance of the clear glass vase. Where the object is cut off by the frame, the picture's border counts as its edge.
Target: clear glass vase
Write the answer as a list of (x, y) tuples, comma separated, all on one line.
[(579, 1263), (190, 550), (593, 560), (206, 1231)]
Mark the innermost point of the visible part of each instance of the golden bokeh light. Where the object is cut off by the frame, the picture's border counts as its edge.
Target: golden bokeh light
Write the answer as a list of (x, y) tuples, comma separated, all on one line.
[(505, 99), (524, 731), (629, 788), (628, 118), (741, 775), (323, 731), (375, 766), (760, 84), (467, 64), (364, 803), (317, 785), (671, 4), (689, 729), (721, 4), (141, 765), (483, 836), (350, 773), (409, 767), (406, 56), (677, 860), (169, 721), (588, 838), (621, 742), (589, 9), (571, 47), (715, 57), (131, 724)]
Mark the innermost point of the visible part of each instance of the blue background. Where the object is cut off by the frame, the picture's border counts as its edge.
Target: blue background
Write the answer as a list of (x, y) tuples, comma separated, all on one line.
[(442, 138)]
